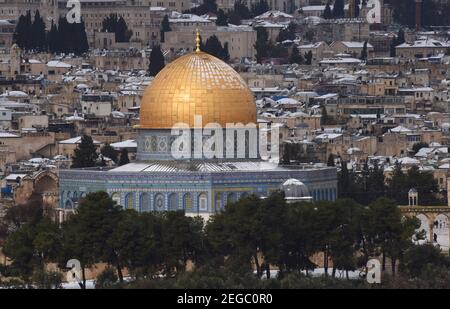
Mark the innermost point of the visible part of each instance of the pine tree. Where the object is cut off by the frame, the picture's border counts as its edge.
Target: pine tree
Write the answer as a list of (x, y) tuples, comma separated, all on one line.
[(222, 19), (338, 9), (157, 62), (357, 9), (393, 51), (259, 8), (296, 56), (85, 154), (364, 52), (38, 34), (109, 152), (165, 27), (262, 44), (52, 39), (400, 37), (328, 14), (308, 58), (330, 161), (23, 33), (124, 159), (118, 26)]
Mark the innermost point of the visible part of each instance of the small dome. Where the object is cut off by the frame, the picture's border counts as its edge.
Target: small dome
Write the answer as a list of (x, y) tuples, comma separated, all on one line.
[(294, 188)]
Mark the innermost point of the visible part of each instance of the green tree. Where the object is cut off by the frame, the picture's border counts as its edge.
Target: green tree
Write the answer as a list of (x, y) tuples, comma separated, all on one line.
[(157, 61), (262, 44), (109, 152), (330, 161), (364, 53), (165, 27), (259, 7), (328, 14), (118, 26), (106, 279), (222, 19), (124, 159), (288, 33), (296, 56), (86, 233), (417, 259), (32, 246), (22, 34), (38, 34), (338, 9), (85, 154), (308, 58)]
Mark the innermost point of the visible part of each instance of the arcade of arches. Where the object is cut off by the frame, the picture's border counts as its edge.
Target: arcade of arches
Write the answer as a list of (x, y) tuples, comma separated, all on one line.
[(43, 185)]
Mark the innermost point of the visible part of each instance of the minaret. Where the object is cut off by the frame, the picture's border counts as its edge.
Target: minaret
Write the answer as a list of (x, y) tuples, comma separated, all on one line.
[(418, 14), (15, 60)]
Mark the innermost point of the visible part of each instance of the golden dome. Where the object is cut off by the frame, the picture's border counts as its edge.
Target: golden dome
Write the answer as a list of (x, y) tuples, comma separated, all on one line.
[(197, 84)]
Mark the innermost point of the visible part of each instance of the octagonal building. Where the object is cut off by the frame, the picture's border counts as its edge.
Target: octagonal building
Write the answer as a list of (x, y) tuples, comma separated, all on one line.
[(194, 86)]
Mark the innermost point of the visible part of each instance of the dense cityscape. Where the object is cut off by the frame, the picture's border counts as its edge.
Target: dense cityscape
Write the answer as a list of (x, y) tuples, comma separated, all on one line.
[(224, 144)]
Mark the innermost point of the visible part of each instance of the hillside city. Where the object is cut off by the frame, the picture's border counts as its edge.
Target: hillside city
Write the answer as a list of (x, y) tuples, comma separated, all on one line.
[(356, 94)]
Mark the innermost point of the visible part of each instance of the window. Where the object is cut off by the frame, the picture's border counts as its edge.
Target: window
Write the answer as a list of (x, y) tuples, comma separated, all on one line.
[(144, 202), (159, 202), (203, 202), (129, 201)]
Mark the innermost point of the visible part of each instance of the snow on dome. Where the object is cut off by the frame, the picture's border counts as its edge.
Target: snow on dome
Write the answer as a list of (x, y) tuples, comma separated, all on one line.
[(400, 129), (117, 114), (82, 86), (408, 161), (294, 188), (15, 94), (287, 101), (353, 150)]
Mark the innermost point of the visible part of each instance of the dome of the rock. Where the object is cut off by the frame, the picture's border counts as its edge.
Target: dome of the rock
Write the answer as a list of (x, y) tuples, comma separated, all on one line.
[(197, 84)]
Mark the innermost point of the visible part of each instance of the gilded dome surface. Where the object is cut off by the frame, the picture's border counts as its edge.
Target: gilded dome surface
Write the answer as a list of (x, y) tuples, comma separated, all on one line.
[(197, 84)]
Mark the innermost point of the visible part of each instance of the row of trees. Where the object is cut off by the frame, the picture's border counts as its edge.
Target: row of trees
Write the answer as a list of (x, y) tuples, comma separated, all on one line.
[(30, 34), (251, 233), (234, 16), (434, 13), (371, 184), (265, 48), (118, 26), (86, 154)]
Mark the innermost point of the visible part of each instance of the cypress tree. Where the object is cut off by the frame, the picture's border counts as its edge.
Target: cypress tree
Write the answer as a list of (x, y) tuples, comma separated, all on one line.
[(222, 19), (124, 159), (328, 14), (165, 27), (85, 154), (338, 9), (157, 62), (296, 56)]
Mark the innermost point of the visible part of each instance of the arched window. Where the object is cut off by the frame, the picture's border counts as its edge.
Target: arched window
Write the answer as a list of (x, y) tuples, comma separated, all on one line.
[(129, 201), (218, 200), (173, 202), (144, 203), (116, 197), (231, 197), (202, 202), (69, 205), (187, 202), (159, 202)]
